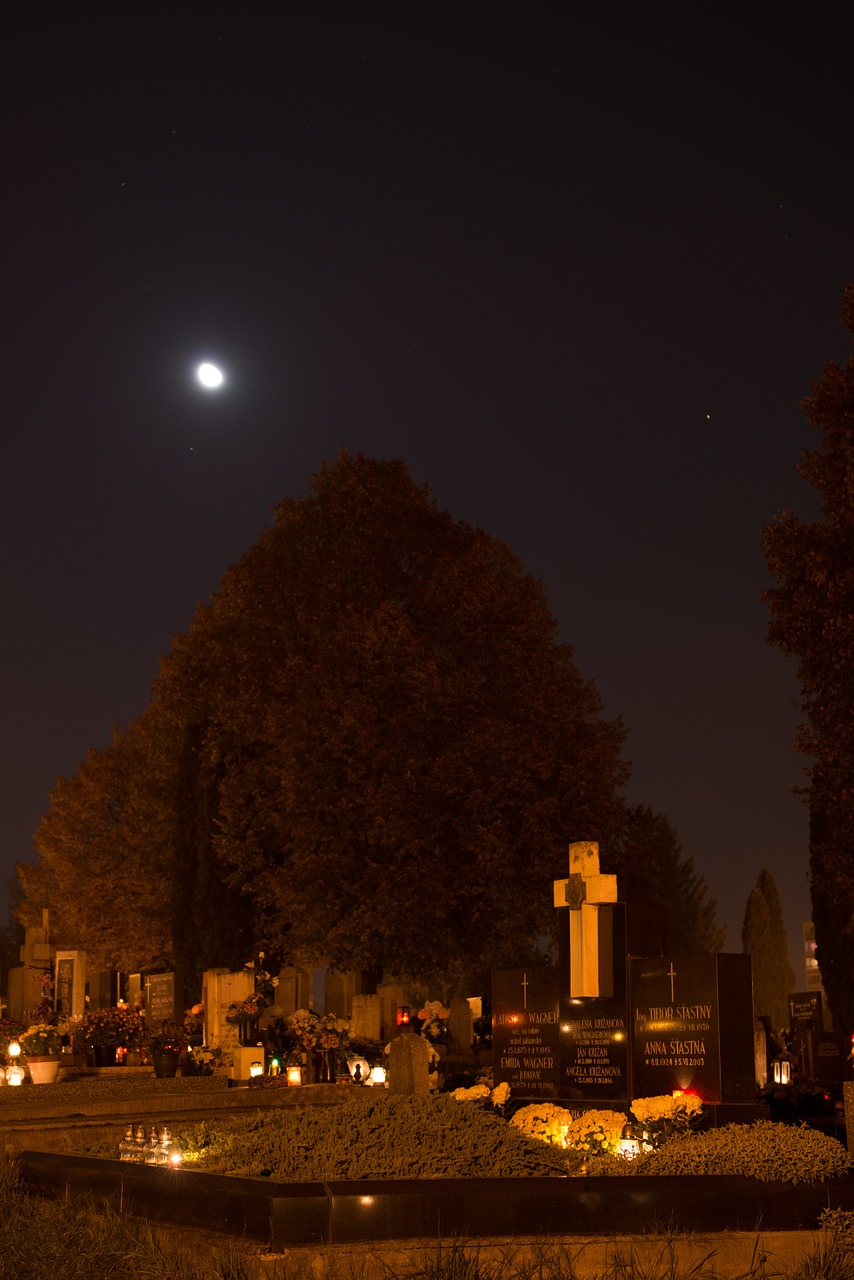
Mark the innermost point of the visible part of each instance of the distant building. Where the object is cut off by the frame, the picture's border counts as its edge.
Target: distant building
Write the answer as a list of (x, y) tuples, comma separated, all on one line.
[(812, 973)]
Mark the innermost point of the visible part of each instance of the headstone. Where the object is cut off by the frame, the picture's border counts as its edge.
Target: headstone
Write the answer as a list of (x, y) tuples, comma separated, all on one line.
[(829, 1054), (590, 941), (365, 1021), (819, 1055), (25, 989), (596, 1030), (220, 989), (70, 983), (760, 1052), (619, 1018), (806, 1011), (105, 988), (693, 1027), (164, 998), (293, 991), (460, 1022), (526, 1031), (338, 993), (409, 1065)]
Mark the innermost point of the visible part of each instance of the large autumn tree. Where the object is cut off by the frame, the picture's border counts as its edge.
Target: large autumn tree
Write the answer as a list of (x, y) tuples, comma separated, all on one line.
[(369, 750), (812, 618)]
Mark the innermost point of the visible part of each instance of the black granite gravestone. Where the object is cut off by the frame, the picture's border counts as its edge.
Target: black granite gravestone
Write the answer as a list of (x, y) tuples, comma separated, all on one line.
[(595, 1029), (806, 1011), (657, 1024), (164, 998), (693, 1027), (105, 989), (525, 1031)]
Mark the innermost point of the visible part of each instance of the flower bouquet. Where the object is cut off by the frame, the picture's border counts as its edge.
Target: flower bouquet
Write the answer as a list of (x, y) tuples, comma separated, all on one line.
[(433, 1020), (41, 1040), (666, 1116), (111, 1029), (164, 1037)]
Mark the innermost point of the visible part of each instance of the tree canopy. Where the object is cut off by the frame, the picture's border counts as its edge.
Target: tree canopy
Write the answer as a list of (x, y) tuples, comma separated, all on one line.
[(654, 866), (369, 751), (812, 619)]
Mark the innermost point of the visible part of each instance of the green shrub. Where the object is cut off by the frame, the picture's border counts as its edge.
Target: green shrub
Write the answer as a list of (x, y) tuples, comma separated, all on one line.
[(764, 1150), (388, 1137)]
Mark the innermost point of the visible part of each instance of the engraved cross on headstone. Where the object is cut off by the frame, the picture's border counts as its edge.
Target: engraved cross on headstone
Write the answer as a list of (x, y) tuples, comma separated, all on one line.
[(591, 962)]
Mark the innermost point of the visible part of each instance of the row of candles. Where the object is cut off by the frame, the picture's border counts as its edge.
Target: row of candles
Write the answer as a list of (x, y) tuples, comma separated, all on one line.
[(135, 1148)]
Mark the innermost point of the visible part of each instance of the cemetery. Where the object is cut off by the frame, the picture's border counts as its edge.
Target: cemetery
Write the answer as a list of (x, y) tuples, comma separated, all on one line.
[(607, 1078)]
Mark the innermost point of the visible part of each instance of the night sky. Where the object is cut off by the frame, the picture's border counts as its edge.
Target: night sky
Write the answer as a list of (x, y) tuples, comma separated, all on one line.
[(577, 266)]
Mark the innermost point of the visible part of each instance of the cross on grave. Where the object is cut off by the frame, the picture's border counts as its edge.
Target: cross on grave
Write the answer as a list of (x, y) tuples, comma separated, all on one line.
[(591, 961)]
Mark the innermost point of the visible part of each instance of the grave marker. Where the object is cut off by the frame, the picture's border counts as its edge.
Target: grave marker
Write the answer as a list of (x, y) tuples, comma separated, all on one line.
[(164, 998), (693, 1027), (619, 1018), (526, 1031), (409, 1065), (105, 989), (70, 984)]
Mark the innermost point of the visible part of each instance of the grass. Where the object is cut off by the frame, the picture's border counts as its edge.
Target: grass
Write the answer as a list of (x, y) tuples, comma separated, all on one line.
[(47, 1239)]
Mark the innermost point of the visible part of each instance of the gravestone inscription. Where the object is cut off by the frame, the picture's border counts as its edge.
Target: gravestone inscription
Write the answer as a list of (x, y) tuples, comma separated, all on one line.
[(693, 1027), (594, 1050), (70, 983), (806, 1011), (526, 1031), (163, 999)]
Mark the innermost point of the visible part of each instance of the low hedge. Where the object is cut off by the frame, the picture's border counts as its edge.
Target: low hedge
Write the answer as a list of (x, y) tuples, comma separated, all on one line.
[(439, 1137), (389, 1137), (764, 1150)]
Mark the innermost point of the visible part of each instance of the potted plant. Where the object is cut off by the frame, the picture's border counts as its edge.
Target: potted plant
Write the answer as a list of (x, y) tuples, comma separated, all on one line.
[(41, 1044), (105, 1030), (165, 1041)]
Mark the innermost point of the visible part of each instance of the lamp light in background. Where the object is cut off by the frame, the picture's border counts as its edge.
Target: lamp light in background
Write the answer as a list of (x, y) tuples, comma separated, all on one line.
[(377, 1078), (294, 1075), (403, 1015), (256, 1069), (782, 1070)]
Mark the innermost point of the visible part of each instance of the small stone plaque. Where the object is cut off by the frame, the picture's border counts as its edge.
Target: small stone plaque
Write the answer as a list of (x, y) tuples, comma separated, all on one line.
[(162, 1001), (526, 1032), (806, 1011)]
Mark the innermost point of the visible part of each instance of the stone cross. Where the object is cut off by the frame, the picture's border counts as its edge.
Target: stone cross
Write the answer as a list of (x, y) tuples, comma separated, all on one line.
[(591, 963)]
